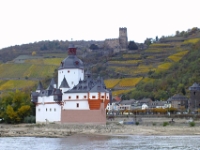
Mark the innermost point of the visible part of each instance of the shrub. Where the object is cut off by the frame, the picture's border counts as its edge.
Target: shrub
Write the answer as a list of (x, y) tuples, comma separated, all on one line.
[(154, 124), (192, 124), (137, 123), (165, 124)]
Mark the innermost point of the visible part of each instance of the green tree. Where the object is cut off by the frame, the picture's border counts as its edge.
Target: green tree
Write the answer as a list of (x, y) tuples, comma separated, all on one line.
[(15, 106), (132, 46)]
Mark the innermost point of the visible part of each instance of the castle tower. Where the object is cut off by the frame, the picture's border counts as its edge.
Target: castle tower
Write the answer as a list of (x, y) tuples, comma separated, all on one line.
[(123, 38), (71, 68)]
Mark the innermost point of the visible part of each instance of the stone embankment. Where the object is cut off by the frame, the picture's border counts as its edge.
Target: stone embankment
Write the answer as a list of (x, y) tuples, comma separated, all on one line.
[(146, 127)]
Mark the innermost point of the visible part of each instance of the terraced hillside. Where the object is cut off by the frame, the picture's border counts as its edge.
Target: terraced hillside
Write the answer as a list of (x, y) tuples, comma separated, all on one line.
[(158, 58), (27, 73)]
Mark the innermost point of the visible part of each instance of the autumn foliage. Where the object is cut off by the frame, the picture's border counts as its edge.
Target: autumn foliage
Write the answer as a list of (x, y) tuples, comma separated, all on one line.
[(15, 107)]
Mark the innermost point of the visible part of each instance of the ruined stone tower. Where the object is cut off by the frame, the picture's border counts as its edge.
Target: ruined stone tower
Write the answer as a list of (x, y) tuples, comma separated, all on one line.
[(123, 38)]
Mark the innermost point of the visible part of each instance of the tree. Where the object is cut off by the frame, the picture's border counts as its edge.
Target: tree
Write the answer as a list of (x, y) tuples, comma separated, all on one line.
[(33, 53), (132, 46), (15, 106), (148, 41), (94, 47)]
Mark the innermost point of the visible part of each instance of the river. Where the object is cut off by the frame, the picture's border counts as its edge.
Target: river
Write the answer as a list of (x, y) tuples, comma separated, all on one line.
[(85, 142)]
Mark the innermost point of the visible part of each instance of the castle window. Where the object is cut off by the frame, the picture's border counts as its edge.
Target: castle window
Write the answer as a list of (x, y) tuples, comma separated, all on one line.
[(93, 96), (39, 109), (54, 109), (69, 97), (77, 96), (68, 71), (46, 109), (85, 96), (50, 109), (77, 105), (102, 96)]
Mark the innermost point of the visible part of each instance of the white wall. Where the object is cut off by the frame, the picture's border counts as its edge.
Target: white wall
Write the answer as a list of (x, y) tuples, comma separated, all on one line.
[(72, 105), (74, 96), (72, 76)]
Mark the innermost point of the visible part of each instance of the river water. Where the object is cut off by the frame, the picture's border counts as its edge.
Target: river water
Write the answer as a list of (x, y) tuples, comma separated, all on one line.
[(84, 142)]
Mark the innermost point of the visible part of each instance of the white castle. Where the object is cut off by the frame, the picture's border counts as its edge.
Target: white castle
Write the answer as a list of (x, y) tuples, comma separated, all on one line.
[(77, 98)]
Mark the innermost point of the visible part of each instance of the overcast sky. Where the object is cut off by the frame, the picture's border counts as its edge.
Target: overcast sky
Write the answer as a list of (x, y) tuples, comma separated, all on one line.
[(28, 21)]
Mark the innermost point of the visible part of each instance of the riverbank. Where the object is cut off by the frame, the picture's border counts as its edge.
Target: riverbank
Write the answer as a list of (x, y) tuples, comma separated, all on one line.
[(147, 126)]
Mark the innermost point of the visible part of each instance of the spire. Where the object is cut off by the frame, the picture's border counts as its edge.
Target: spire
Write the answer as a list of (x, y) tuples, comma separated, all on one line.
[(64, 83), (50, 87), (71, 49), (52, 81), (40, 87)]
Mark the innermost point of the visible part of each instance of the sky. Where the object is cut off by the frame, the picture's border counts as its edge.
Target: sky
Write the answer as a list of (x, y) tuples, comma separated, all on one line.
[(29, 21)]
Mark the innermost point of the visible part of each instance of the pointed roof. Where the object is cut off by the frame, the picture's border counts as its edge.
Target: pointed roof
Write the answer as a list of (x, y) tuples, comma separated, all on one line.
[(195, 87), (64, 83), (52, 81), (50, 87), (40, 87)]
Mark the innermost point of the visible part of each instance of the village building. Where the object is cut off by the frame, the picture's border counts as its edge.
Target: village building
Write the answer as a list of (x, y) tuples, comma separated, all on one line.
[(76, 98), (194, 101), (178, 101)]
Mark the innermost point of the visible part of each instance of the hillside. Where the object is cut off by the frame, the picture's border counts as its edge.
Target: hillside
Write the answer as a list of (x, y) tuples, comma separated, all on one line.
[(166, 67)]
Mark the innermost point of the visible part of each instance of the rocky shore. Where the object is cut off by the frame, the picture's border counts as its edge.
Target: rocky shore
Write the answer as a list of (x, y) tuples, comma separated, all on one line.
[(147, 126)]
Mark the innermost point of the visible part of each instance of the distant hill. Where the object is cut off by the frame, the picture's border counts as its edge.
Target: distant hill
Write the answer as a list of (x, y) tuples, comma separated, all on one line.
[(165, 67)]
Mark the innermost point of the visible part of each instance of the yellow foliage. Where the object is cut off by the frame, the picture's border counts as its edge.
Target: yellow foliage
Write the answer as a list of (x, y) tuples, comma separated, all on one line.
[(16, 84), (132, 70), (145, 80), (111, 83), (164, 66), (24, 110), (125, 62), (119, 92), (131, 56), (11, 113), (178, 56), (159, 45), (33, 53), (129, 81), (191, 41)]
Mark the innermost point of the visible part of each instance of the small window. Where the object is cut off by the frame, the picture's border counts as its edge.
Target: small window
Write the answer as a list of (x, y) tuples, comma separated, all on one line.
[(68, 71), (50, 109), (69, 97), (54, 109), (77, 97), (77, 105), (39, 109), (85, 96), (102, 96), (46, 109), (107, 97), (93, 96)]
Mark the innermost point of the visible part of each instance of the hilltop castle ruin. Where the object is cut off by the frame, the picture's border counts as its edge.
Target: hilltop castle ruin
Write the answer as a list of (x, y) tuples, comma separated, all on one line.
[(118, 43)]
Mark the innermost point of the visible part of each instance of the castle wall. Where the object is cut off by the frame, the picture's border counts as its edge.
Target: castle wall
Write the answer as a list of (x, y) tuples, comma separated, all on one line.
[(84, 116), (72, 75), (112, 43), (50, 112), (123, 37), (194, 102)]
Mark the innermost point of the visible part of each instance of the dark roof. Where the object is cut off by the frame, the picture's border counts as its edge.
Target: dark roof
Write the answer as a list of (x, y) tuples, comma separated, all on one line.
[(64, 83), (72, 61), (127, 102), (40, 87), (177, 97), (57, 92), (52, 81), (99, 86), (50, 87), (195, 87)]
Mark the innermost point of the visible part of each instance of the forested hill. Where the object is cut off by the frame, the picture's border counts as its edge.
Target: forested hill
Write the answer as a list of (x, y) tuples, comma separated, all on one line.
[(177, 79), (41, 47)]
